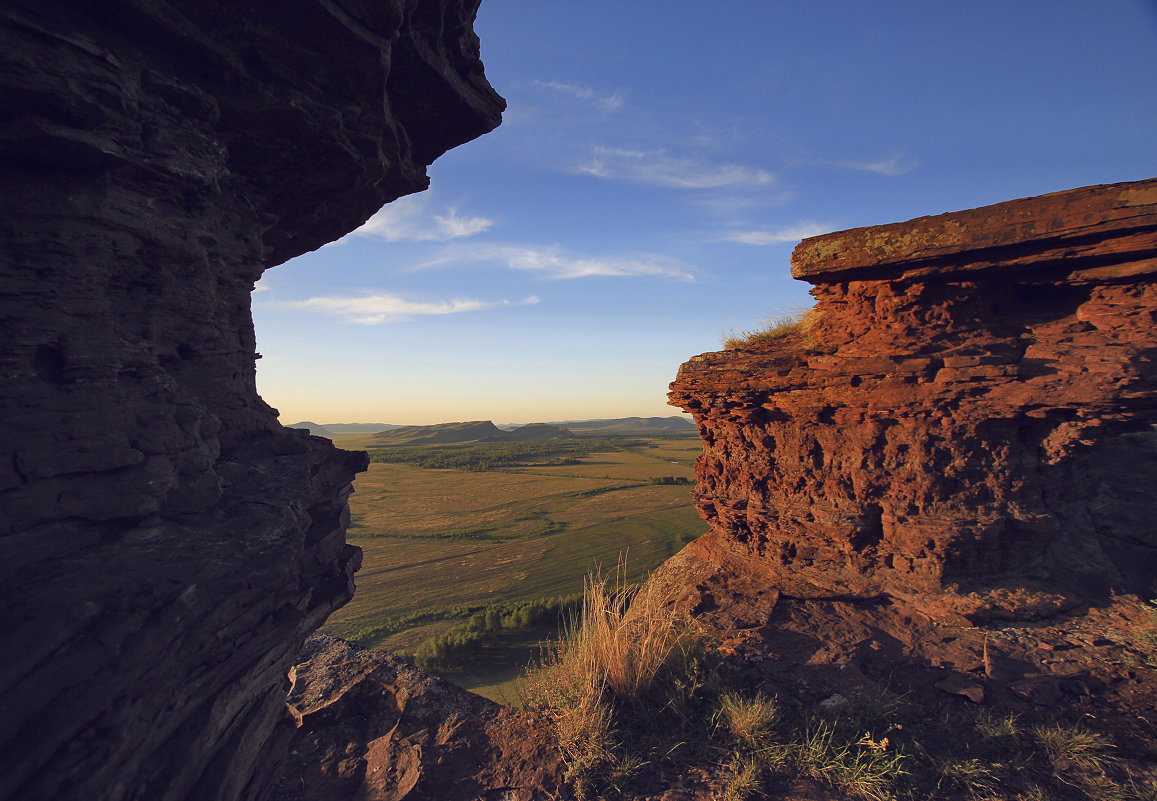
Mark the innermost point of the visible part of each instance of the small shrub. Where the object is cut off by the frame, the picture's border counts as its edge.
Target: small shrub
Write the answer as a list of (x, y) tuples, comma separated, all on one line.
[(874, 712), (587, 736), (864, 768), (690, 685)]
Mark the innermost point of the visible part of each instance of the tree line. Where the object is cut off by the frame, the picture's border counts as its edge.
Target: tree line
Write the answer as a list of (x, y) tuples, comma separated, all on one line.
[(480, 456), (452, 648)]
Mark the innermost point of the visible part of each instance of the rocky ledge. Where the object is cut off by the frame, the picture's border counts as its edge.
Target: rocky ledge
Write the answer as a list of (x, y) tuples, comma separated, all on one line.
[(165, 545), (939, 482), (372, 726), (963, 421)]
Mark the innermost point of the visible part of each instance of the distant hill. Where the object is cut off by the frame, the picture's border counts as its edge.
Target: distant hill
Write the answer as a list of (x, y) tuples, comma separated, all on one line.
[(313, 428), (631, 426), (359, 428), (474, 431), (329, 429), (440, 434), (537, 432), (386, 434)]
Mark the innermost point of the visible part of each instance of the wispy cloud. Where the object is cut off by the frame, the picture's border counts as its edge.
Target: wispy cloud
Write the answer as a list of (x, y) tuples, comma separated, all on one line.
[(897, 164), (605, 102), (387, 308), (773, 236), (657, 168), (555, 262), (407, 220)]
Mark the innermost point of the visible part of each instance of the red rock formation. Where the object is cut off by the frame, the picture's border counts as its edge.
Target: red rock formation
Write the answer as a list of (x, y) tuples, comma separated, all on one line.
[(939, 486), (375, 727), (165, 545), (966, 423)]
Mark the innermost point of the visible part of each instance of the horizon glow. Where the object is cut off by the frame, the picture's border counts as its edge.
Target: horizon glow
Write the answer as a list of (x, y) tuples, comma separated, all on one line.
[(656, 166)]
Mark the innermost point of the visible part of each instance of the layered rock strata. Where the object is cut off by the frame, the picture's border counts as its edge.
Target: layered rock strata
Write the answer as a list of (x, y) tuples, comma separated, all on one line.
[(165, 545), (964, 421)]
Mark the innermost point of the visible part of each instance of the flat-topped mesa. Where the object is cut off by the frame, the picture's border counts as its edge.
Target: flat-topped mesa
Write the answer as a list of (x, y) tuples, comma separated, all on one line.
[(165, 545), (965, 419)]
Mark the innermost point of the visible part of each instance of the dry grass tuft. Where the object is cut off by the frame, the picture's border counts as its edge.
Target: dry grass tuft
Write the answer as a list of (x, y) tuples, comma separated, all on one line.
[(798, 329), (864, 768), (607, 659), (744, 779), (749, 720), (991, 726), (973, 776), (1080, 759), (623, 638)]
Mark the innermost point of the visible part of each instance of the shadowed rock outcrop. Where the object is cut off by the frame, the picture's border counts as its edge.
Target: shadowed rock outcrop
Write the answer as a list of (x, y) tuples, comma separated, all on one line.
[(166, 546), (375, 727)]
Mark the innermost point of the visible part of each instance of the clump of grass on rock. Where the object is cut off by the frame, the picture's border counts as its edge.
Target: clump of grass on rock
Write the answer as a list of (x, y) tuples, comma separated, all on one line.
[(629, 689), (798, 330), (636, 698), (626, 662)]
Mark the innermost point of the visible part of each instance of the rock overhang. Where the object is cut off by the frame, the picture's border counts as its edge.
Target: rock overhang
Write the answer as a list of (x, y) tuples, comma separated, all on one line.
[(167, 546), (955, 423), (1088, 230)]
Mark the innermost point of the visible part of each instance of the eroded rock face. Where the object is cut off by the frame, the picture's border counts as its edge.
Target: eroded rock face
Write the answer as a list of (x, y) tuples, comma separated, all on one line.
[(376, 728), (166, 546), (965, 423)]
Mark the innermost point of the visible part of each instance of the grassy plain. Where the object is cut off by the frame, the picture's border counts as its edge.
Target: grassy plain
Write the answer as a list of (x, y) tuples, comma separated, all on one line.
[(438, 542)]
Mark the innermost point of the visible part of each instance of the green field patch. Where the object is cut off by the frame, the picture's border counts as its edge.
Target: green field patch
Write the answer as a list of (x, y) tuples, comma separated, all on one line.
[(437, 543), (482, 456), (497, 669), (405, 501), (640, 464), (410, 640)]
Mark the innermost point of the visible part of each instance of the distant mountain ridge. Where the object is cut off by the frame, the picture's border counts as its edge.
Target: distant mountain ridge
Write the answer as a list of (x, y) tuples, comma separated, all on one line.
[(329, 429), (487, 431), (440, 434), (474, 431), (631, 426), (359, 428), (316, 429), (538, 432)]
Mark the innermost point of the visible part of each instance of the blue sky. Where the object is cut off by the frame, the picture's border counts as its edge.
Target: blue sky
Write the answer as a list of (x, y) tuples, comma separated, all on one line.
[(657, 164)]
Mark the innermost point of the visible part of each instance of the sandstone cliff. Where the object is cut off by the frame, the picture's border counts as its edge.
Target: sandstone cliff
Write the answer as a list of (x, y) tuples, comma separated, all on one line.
[(966, 422), (166, 546), (940, 484)]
